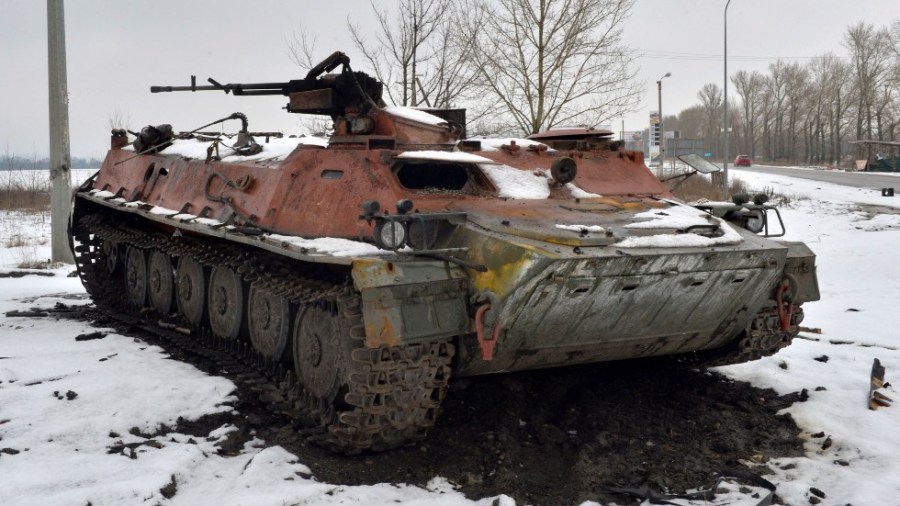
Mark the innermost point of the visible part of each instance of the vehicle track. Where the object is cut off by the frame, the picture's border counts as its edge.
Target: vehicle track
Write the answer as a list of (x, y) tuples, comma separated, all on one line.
[(389, 396)]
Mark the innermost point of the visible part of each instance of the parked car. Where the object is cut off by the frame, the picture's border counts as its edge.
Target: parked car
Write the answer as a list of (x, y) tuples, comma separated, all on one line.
[(742, 160)]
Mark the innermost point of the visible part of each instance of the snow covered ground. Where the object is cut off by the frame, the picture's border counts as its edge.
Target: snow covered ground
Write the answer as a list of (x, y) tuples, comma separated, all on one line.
[(64, 404)]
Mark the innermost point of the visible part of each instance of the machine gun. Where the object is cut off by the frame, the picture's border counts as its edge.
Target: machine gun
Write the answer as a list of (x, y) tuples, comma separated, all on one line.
[(329, 94)]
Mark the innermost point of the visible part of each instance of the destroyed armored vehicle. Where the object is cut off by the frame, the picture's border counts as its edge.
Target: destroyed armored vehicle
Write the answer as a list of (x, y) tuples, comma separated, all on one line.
[(362, 271)]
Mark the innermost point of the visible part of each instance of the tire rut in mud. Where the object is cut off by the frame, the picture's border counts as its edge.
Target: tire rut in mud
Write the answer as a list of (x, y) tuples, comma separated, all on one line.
[(559, 436)]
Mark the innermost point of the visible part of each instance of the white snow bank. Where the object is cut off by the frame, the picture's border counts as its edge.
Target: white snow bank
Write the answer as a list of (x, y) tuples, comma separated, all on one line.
[(72, 448)]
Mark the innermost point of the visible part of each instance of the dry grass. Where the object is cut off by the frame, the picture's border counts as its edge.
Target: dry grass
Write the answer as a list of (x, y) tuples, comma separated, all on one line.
[(24, 190), (701, 187)]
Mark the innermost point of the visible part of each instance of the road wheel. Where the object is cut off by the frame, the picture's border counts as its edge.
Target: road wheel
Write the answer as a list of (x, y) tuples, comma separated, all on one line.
[(136, 276), (316, 350), (269, 320), (109, 251), (225, 302), (190, 292), (161, 282)]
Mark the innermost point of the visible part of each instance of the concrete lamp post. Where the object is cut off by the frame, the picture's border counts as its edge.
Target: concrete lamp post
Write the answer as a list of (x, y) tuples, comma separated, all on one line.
[(662, 132), (725, 114)]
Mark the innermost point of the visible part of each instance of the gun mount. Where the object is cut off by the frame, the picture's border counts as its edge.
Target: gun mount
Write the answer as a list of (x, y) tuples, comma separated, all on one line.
[(354, 102), (329, 94)]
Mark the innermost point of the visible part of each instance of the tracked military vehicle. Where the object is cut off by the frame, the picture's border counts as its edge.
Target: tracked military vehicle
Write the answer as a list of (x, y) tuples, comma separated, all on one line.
[(364, 270)]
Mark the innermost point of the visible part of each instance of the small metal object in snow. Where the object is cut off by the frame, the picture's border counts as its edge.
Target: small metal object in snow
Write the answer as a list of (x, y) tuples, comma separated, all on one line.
[(876, 398)]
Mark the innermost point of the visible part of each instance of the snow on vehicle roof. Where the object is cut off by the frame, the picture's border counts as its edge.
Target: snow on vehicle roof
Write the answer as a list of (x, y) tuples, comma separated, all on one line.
[(581, 228), (578, 193), (678, 217), (275, 149), (330, 245), (516, 183), (496, 144), (445, 156), (414, 115)]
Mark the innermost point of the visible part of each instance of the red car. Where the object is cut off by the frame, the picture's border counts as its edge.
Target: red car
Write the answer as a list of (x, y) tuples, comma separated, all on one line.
[(742, 161)]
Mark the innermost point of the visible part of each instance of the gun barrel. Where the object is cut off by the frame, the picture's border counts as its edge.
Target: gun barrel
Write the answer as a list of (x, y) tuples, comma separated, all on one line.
[(237, 89)]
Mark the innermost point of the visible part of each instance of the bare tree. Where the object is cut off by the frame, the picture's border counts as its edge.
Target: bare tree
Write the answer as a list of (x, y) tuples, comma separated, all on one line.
[(803, 111), (302, 49), (554, 62), (796, 90), (691, 122), (118, 119), (749, 86), (446, 77), (870, 51), (399, 48), (711, 100)]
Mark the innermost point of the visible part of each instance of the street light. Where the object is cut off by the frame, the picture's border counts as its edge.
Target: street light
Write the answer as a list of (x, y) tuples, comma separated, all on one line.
[(725, 114), (662, 132)]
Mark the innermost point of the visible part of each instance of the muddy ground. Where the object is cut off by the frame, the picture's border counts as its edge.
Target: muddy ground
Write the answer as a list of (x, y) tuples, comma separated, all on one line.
[(560, 436)]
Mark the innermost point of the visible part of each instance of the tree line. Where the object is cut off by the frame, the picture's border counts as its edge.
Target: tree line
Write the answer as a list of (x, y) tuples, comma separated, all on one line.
[(16, 162), (517, 66), (807, 113)]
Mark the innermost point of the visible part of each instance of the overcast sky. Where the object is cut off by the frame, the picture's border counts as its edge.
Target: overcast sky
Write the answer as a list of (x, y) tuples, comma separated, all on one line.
[(117, 49)]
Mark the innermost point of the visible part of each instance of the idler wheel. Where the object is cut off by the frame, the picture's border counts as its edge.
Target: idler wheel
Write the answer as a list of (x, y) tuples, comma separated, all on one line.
[(225, 302), (109, 250), (136, 276), (316, 335), (160, 281), (269, 321), (190, 290)]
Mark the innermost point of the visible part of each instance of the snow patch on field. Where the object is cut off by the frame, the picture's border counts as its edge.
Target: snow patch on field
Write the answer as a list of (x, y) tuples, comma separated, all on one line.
[(120, 383)]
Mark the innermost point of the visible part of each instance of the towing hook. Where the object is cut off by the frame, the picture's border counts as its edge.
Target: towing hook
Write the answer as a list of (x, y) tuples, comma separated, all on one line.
[(487, 344), (784, 298)]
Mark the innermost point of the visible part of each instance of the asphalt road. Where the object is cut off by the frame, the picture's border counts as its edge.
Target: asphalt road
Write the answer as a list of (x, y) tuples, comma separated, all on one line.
[(874, 180)]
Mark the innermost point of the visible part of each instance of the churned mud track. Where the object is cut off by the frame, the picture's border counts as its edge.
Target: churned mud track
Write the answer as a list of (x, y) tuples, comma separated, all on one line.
[(553, 437)]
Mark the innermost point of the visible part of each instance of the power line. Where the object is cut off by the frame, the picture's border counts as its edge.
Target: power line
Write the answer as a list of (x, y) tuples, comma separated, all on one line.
[(675, 55)]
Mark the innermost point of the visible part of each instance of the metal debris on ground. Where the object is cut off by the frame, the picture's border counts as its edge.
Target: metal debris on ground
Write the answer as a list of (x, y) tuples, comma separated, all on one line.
[(876, 398)]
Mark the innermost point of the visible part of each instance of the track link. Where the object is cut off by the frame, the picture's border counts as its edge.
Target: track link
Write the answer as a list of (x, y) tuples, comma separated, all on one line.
[(764, 338), (390, 396)]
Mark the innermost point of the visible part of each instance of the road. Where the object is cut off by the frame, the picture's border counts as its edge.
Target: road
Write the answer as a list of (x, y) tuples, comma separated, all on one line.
[(874, 180)]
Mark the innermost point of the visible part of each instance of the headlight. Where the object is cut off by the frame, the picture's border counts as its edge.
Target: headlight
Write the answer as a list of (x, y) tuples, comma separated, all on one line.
[(756, 221), (390, 235), (422, 234)]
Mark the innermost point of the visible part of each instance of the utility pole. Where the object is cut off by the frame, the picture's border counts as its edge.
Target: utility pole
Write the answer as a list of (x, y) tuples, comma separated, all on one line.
[(725, 114), (662, 130), (415, 100), (60, 157)]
